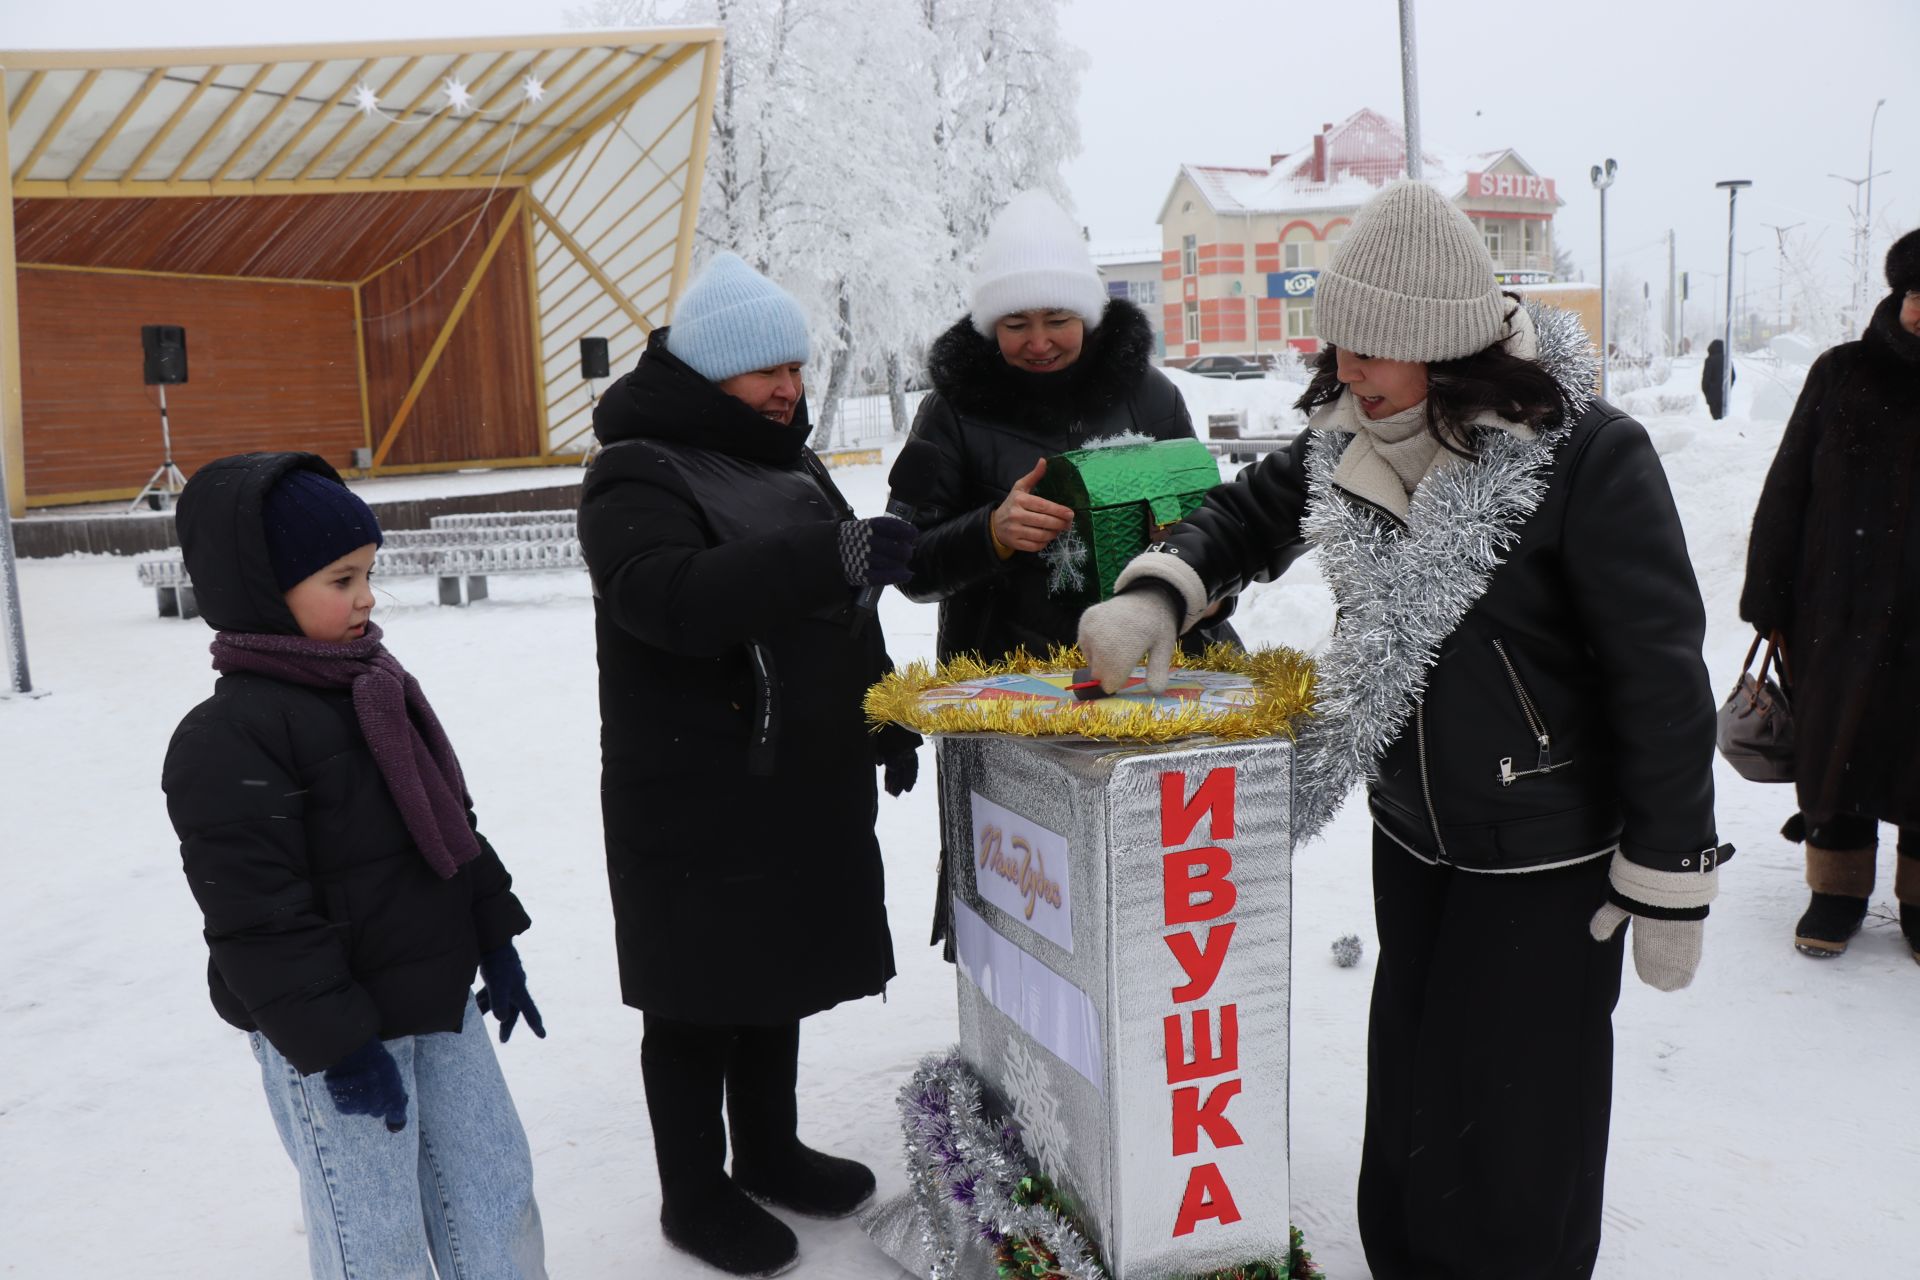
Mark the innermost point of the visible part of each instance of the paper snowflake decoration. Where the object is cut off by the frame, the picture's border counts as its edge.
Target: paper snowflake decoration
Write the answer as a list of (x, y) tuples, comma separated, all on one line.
[(457, 96), (533, 89), (365, 100), (1036, 1105)]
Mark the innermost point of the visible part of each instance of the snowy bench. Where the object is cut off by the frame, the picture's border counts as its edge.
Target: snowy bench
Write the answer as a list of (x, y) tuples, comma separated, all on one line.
[(455, 560), (497, 519)]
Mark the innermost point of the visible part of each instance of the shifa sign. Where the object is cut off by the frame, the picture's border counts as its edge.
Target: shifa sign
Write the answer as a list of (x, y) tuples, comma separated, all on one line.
[(1511, 186)]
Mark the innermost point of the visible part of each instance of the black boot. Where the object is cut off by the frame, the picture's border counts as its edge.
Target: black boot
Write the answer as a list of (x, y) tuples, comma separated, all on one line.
[(1831, 920), (701, 1211), (729, 1232), (808, 1182)]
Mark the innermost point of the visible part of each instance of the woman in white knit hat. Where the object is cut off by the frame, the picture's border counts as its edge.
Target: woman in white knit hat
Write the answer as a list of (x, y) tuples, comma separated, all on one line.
[(1516, 676), (1044, 362)]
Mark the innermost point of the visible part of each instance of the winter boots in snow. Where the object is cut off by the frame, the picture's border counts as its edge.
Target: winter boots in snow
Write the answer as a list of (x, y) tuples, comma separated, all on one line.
[(1906, 887), (1830, 922), (1841, 880), (728, 1231), (808, 1182)]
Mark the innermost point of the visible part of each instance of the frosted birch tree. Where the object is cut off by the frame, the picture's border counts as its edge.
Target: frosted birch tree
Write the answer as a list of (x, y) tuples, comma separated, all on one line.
[(859, 149)]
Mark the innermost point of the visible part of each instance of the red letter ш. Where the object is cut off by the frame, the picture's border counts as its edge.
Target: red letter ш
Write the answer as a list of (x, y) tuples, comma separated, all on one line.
[(1178, 816), (1190, 1116), (1206, 1197), (1192, 872), (1205, 1062)]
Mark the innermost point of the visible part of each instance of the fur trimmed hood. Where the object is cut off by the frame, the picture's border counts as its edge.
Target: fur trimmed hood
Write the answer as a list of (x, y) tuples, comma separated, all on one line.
[(969, 372)]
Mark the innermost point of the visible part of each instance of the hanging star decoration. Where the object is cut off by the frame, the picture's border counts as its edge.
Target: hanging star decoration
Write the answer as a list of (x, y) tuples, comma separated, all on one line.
[(458, 98), (365, 100), (533, 89)]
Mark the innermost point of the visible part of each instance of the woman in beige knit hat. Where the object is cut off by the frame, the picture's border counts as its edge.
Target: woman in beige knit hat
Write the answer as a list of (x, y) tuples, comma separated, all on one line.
[(1516, 676)]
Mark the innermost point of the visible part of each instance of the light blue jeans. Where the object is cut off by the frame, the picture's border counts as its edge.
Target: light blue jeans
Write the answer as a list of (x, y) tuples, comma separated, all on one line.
[(456, 1185)]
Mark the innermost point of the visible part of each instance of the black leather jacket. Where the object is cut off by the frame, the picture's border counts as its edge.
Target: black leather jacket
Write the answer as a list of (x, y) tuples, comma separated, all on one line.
[(1570, 708)]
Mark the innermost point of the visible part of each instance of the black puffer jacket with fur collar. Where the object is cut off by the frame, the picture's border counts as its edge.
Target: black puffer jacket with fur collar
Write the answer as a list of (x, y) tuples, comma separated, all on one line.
[(980, 429)]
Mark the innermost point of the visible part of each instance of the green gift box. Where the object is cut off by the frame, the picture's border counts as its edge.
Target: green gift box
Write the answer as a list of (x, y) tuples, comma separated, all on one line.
[(1121, 496)]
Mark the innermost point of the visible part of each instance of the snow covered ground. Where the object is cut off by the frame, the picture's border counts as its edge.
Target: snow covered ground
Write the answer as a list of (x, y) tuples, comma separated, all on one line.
[(1764, 1118)]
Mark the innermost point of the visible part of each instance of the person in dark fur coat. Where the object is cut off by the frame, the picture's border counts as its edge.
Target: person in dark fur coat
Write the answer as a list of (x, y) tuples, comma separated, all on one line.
[(347, 892), (737, 779), (1045, 362), (1516, 676), (1714, 380), (1833, 572)]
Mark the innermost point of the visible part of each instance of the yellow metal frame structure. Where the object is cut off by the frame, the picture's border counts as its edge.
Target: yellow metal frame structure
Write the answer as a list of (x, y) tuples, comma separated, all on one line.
[(238, 117)]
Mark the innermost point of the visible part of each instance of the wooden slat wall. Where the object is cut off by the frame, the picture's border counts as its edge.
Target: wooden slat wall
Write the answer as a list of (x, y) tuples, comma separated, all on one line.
[(313, 237), (479, 402), (272, 367)]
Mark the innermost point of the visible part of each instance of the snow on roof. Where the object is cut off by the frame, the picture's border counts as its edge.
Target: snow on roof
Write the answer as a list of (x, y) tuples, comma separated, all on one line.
[(1363, 153), (1125, 253)]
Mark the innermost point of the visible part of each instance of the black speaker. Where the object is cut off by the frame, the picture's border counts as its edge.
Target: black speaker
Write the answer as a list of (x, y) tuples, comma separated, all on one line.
[(165, 348), (593, 357)]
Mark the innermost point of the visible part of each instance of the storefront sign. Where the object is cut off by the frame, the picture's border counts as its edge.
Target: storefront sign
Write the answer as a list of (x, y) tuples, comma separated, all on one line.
[(1021, 868), (1511, 186), (1291, 284), (1523, 277)]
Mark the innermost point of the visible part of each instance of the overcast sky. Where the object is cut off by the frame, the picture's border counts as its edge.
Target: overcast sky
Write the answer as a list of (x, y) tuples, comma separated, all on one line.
[(1681, 92)]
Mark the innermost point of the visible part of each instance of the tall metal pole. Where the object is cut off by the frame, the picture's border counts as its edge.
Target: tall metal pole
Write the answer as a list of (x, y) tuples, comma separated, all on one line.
[(1409, 88), (20, 679), (1602, 179), (1673, 301), (1866, 267), (1733, 186)]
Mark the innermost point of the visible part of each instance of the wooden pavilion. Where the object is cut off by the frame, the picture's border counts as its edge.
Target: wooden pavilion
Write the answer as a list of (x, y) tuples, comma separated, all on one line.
[(382, 253)]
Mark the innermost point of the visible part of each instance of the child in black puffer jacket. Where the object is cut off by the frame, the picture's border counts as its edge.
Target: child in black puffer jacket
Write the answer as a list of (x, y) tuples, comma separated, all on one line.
[(348, 897)]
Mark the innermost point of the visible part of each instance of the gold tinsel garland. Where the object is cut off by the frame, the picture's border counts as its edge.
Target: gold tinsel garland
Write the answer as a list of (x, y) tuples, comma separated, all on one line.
[(1283, 685)]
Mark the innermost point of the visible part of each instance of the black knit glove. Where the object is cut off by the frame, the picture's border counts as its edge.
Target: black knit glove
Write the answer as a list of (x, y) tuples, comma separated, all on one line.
[(875, 553), (367, 1083), (505, 991), (897, 751)]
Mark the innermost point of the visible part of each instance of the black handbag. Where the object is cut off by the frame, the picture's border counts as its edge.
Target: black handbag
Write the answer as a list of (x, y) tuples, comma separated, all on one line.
[(1755, 728)]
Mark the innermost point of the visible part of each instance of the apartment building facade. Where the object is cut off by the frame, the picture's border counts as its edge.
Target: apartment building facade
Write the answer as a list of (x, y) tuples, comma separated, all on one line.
[(1242, 248)]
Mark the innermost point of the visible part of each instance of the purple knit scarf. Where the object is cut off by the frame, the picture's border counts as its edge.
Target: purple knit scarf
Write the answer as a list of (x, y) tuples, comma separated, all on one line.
[(404, 735)]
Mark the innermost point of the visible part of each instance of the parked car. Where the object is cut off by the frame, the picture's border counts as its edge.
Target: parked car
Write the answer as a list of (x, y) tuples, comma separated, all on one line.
[(1232, 367)]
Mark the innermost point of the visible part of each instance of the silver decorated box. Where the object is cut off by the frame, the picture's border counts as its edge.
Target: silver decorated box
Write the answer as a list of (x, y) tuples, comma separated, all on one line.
[(1123, 922)]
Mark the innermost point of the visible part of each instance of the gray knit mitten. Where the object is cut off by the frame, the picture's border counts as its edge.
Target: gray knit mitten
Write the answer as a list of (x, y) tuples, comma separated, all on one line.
[(876, 552), (1113, 635), (1668, 910)]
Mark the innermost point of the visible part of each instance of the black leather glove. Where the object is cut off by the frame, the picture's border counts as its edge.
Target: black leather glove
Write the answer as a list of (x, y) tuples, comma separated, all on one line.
[(504, 992), (367, 1083), (876, 552)]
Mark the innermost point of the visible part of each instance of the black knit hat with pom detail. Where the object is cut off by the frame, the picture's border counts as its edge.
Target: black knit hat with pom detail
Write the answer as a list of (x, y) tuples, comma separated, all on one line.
[(1903, 264)]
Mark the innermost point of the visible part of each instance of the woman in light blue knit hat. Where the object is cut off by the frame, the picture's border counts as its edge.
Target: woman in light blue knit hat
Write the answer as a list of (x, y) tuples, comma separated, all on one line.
[(737, 780), (1515, 676)]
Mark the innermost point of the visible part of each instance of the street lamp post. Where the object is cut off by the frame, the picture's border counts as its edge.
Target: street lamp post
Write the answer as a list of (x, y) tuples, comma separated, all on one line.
[(1602, 179), (1409, 88), (1733, 187), (1872, 124)]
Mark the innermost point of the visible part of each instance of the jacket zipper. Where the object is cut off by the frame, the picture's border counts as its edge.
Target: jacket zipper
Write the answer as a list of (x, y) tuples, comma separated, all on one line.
[(1426, 784), (1545, 763)]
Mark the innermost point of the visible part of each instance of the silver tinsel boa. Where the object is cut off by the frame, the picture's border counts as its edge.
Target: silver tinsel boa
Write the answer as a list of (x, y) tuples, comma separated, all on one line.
[(1402, 592), (963, 1173)]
